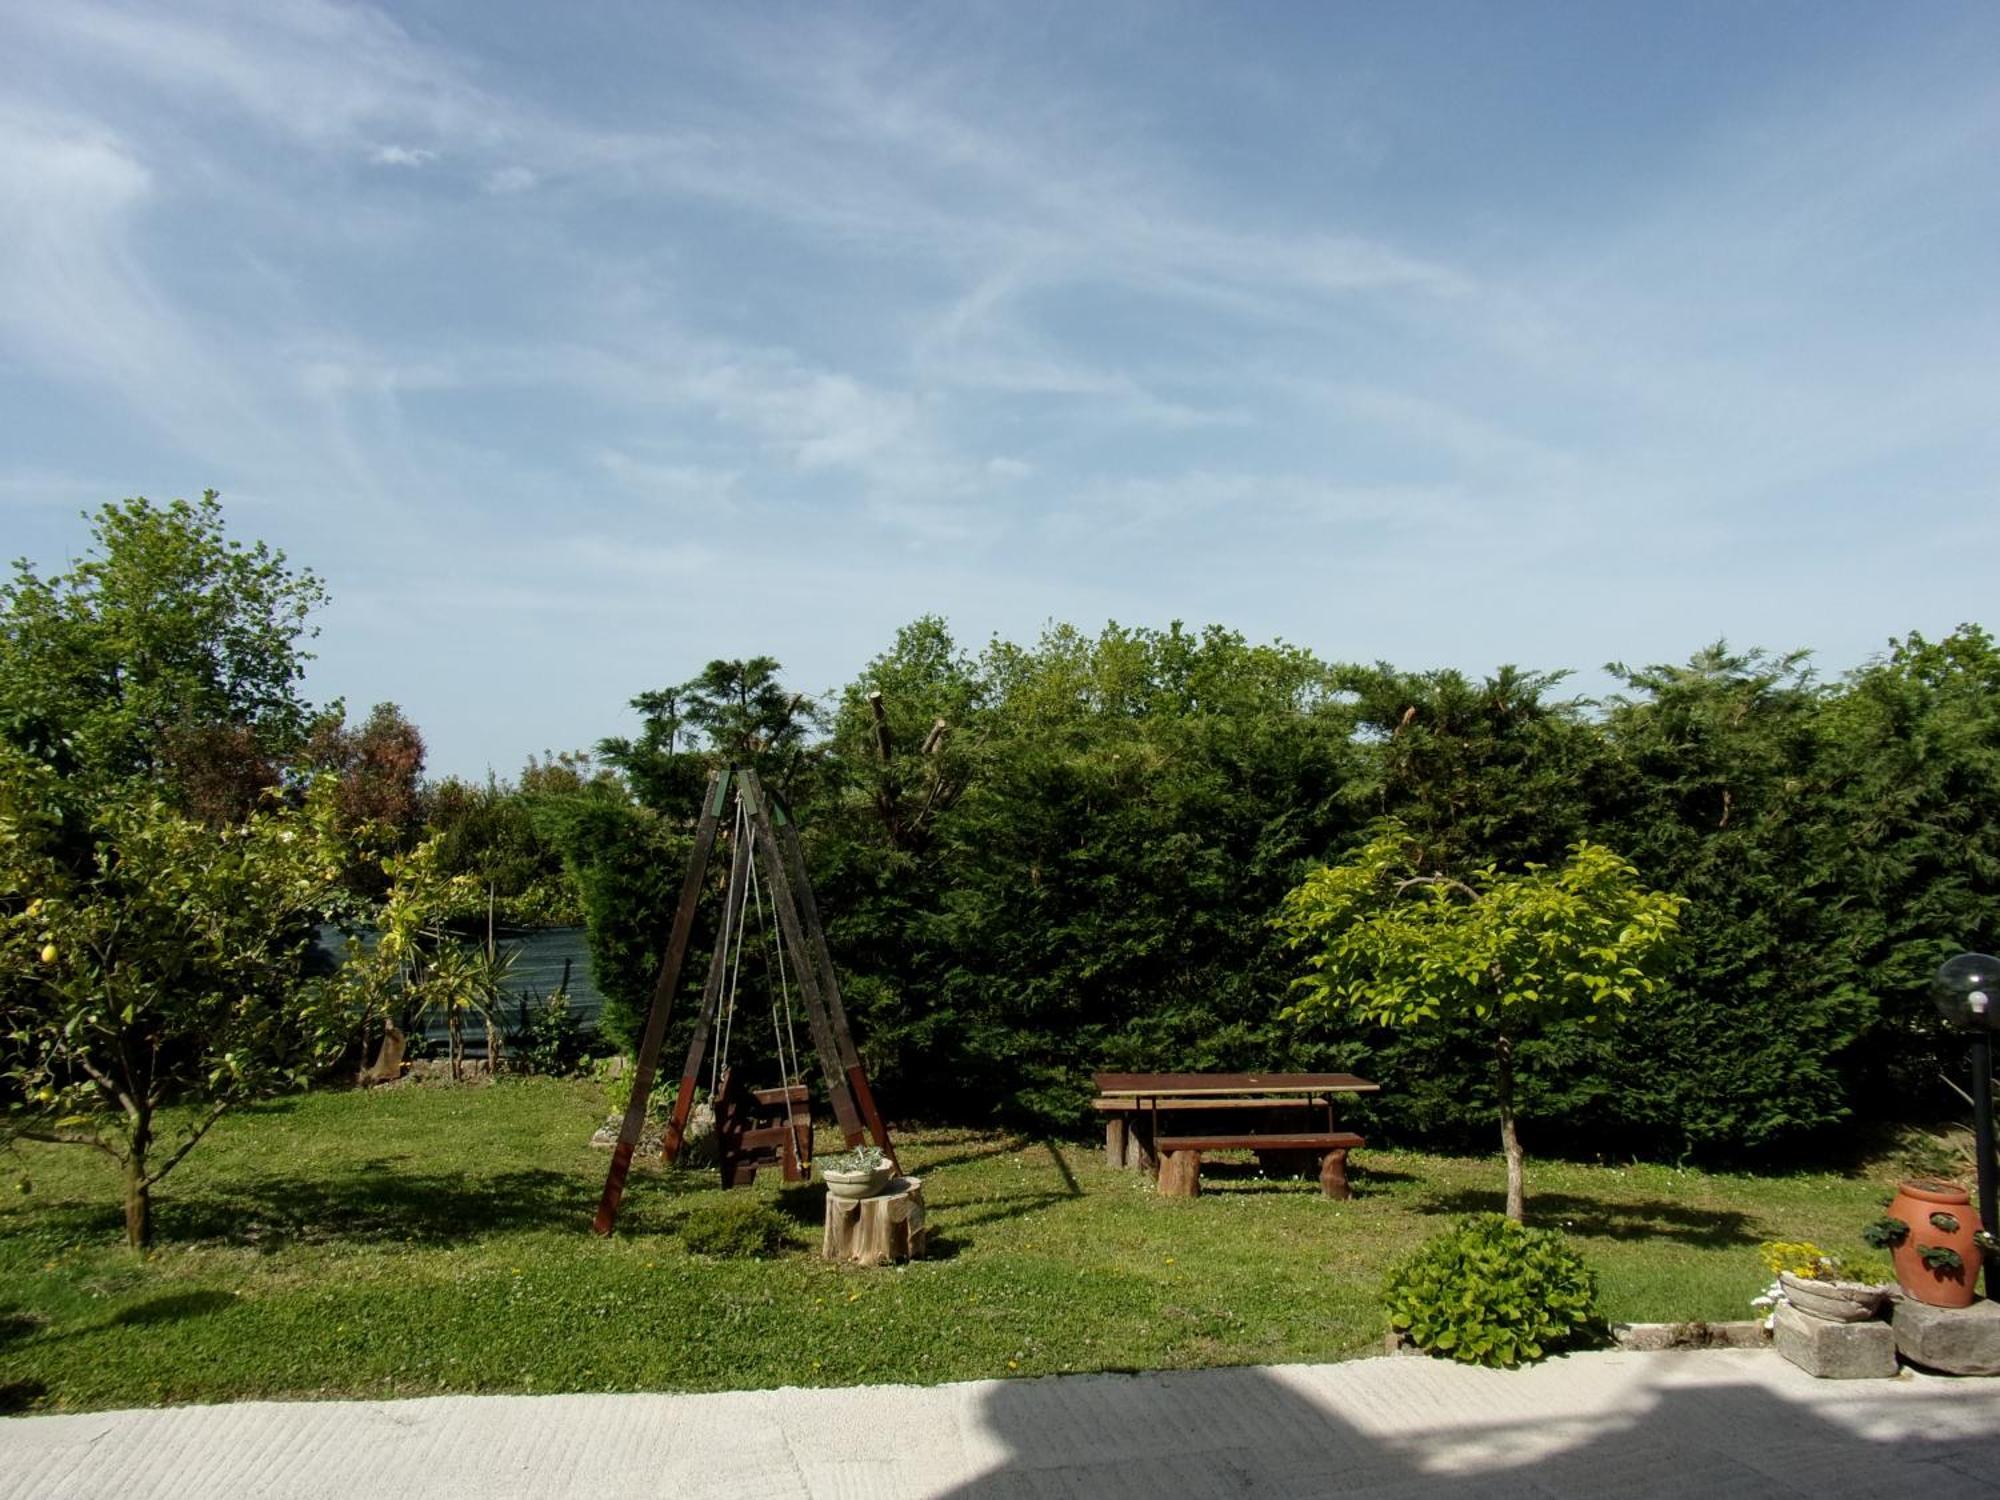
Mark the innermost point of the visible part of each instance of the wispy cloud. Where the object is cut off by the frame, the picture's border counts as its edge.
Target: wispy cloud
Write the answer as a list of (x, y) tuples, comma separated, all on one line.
[(1157, 318), (402, 156)]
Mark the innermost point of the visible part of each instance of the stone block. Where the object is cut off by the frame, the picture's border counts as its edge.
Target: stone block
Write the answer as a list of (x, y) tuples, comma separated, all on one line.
[(1835, 1351), (1953, 1340), (1650, 1337)]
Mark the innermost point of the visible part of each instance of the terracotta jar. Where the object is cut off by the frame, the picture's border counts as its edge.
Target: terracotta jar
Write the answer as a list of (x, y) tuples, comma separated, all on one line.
[(1915, 1202)]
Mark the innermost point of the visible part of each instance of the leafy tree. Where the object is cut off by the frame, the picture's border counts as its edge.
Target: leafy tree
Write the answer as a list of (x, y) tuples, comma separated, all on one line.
[(378, 770), (1397, 943), (168, 635), (732, 713), (1492, 770), (1478, 773), (157, 900), (1909, 763), (624, 863), (148, 958), (420, 963), (1132, 805), (493, 832), (1712, 782)]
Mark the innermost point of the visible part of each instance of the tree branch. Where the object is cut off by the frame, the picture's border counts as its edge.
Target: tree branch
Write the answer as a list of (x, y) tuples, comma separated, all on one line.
[(1440, 880), (189, 1144), (70, 1138)]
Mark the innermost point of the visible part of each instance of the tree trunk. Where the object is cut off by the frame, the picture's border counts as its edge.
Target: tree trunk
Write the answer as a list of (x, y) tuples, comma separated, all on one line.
[(456, 1028), (138, 1192), (1510, 1138)]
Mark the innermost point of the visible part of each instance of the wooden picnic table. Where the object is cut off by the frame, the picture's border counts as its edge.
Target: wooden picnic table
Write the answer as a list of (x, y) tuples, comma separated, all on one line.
[(1192, 1085), (1164, 1122)]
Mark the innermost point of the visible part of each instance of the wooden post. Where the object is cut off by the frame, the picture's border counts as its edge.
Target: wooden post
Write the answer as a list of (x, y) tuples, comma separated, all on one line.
[(815, 931), (1114, 1140), (1180, 1175), (1333, 1175), (663, 1000)]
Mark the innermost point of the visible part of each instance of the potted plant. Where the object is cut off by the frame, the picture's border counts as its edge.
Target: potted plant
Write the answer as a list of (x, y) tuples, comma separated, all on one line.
[(860, 1173), (1931, 1233), (1811, 1281)]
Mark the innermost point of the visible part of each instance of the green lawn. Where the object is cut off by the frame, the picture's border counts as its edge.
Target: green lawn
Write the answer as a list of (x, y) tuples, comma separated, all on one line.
[(412, 1241)]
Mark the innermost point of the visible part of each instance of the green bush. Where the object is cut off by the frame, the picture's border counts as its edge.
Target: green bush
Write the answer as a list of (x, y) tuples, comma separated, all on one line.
[(616, 1074), (735, 1227), (1490, 1292), (548, 1038)]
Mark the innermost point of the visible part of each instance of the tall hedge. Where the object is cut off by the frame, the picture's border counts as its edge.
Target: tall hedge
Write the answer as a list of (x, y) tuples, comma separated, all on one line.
[(1078, 869)]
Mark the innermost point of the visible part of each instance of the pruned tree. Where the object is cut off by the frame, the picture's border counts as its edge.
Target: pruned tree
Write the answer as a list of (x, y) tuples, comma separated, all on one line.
[(1394, 943)]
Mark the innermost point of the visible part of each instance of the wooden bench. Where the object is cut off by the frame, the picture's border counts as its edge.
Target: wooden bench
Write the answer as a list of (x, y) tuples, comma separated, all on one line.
[(1180, 1157), (1128, 1125)]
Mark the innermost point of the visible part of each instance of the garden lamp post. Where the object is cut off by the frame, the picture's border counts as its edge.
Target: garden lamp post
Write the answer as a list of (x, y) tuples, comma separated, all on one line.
[(1967, 992)]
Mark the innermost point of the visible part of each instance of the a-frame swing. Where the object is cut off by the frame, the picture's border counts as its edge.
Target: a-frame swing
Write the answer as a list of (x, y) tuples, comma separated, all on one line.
[(753, 1126)]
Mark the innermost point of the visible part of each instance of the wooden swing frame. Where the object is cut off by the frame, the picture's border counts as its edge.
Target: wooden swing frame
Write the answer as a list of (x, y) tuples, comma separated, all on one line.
[(773, 843)]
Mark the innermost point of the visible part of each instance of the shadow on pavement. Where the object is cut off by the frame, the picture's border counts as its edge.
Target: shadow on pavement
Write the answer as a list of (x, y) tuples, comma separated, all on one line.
[(1246, 1433)]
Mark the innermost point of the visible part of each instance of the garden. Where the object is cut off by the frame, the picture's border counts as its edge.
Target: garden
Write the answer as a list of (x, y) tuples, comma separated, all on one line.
[(426, 1239), (1666, 950)]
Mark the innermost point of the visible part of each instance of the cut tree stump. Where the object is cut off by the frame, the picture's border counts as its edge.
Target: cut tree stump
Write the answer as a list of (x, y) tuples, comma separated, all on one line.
[(389, 1061), (875, 1231)]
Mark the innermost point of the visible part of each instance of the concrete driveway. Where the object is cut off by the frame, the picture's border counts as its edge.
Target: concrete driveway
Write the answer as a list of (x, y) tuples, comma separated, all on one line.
[(1710, 1424)]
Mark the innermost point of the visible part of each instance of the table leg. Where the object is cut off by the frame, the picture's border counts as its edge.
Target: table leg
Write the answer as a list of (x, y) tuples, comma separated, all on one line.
[(1333, 1175)]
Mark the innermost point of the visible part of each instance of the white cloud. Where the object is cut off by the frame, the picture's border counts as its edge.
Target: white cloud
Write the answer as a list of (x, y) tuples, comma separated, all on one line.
[(402, 156)]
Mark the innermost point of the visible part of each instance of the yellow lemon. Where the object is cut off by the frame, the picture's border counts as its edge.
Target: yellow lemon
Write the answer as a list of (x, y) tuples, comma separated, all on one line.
[(48, 953)]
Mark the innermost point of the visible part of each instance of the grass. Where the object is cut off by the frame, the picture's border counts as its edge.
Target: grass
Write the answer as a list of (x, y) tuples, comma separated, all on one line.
[(422, 1240)]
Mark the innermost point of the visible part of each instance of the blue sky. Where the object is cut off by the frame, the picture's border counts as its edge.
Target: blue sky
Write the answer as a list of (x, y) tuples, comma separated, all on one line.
[(577, 345)]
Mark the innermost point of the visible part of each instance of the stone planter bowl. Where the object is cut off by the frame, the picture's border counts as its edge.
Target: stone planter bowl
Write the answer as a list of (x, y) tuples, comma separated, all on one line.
[(857, 1184), (1837, 1301)]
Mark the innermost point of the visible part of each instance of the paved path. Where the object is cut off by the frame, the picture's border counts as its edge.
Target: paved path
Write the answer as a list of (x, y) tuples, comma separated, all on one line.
[(1712, 1424)]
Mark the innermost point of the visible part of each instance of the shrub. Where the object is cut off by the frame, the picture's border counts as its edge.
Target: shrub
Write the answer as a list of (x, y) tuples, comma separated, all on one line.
[(549, 1038), (735, 1227), (616, 1074), (1490, 1292)]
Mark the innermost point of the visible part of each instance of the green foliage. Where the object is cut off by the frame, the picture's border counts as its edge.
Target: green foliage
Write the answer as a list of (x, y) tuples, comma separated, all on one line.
[(1885, 1233), (147, 958), (1714, 787), (734, 1227), (1491, 1292), (1940, 1258), (860, 1159), (615, 1074), (548, 1038), (1398, 946), (1078, 876), (496, 833), (169, 650), (377, 771), (734, 713), (625, 864), (1500, 955)]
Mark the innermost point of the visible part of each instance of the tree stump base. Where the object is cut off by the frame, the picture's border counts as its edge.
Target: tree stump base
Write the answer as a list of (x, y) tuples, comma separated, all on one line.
[(1180, 1174), (875, 1231)]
